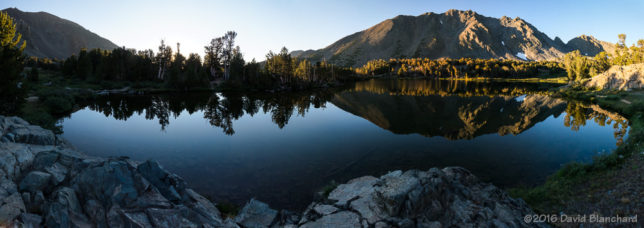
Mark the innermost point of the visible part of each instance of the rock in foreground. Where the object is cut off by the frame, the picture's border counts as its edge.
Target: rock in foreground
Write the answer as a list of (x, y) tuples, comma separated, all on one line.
[(619, 78), (435, 198), (46, 182)]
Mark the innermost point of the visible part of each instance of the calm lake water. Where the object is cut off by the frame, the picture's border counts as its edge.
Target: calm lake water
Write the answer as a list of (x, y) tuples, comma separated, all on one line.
[(282, 148)]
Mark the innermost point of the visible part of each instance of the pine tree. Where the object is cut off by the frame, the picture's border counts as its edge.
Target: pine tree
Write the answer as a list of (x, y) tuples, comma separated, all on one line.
[(12, 93)]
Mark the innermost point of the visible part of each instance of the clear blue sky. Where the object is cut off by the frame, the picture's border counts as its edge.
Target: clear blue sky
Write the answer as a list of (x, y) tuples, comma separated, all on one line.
[(265, 25)]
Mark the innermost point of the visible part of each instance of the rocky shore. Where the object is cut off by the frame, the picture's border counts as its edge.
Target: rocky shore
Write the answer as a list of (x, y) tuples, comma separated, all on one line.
[(45, 181), (619, 78)]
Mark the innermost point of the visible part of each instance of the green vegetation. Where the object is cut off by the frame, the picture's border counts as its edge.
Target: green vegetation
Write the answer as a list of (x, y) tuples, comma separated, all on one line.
[(223, 67), (59, 87), (579, 67), (460, 68), (228, 210), (566, 184), (578, 180), (328, 188), (12, 93), (302, 72)]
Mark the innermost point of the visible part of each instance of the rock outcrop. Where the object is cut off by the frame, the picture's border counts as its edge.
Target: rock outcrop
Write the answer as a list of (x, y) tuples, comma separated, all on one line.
[(619, 78), (44, 182), (434, 198)]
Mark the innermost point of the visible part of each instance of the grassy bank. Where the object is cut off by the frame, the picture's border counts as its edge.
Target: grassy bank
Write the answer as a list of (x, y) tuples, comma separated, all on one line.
[(609, 185)]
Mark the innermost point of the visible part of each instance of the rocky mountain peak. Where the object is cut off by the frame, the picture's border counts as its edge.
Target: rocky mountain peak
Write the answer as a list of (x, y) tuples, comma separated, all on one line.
[(590, 46), (452, 34)]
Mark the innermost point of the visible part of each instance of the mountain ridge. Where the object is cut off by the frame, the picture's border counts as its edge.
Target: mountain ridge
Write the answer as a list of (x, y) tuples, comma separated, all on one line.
[(50, 36), (452, 34)]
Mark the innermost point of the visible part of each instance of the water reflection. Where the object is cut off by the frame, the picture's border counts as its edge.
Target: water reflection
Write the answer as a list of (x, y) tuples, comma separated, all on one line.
[(281, 148), (219, 109), (578, 113), (452, 117), (463, 88), (451, 109)]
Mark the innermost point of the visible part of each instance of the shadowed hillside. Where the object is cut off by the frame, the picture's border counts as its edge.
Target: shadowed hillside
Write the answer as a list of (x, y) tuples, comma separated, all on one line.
[(53, 37)]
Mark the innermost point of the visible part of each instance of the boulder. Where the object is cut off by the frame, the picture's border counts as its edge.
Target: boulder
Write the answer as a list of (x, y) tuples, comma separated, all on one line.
[(619, 78), (95, 213), (434, 198), (393, 191), (58, 172), (35, 181), (23, 154), (136, 219), (8, 162), (368, 208), (45, 159), (167, 218), (64, 210), (30, 220), (256, 214), (10, 208), (323, 209), (341, 219), (352, 189), (30, 134), (203, 207), (168, 184), (7, 187), (110, 182)]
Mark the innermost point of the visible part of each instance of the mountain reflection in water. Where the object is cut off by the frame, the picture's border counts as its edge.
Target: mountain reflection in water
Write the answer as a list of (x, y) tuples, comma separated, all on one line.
[(283, 147)]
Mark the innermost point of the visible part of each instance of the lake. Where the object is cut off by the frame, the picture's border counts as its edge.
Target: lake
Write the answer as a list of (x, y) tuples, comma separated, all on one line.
[(282, 148)]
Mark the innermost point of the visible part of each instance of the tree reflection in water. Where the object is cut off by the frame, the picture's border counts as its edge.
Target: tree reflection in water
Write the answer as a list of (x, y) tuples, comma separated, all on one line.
[(451, 109), (220, 109), (578, 113)]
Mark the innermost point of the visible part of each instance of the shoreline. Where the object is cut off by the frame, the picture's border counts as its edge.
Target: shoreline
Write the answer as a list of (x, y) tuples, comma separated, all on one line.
[(563, 179), (48, 182), (612, 183)]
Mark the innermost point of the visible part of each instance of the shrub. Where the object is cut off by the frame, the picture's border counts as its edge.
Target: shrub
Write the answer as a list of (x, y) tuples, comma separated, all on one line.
[(43, 119), (58, 105), (33, 74)]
